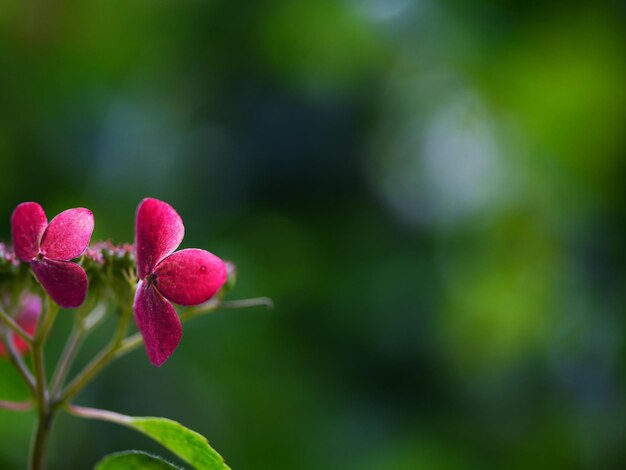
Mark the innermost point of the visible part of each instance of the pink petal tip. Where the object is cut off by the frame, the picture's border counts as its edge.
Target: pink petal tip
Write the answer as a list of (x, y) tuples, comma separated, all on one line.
[(68, 234), (190, 277), (28, 224), (158, 323), (65, 282), (158, 232)]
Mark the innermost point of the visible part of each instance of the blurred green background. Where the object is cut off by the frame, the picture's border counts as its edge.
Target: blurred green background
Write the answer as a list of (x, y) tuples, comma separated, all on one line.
[(431, 192)]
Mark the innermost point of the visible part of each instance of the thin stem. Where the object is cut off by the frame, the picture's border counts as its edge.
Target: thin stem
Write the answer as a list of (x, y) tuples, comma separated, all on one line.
[(40, 439), (83, 324), (247, 303), (67, 357), (129, 344), (88, 373), (45, 415), (11, 323), (39, 449), (40, 375), (95, 413), (121, 346), (97, 363), (214, 304), (16, 405), (45, 324), (18, 362), (134, 341), (46, 321), (94, 318)]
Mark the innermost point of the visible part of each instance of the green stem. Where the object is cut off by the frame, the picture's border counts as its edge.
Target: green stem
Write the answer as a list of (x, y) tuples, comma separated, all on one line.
[(128, 345), (247, 303), (98, 363), (89, 372), (39, 450), (134, 341), (40, 377), (95, 413), (12, 324), (121, 346), (45, 415), (45, 322), (213, 305), (83, 324), (67, 357), (18, 363)]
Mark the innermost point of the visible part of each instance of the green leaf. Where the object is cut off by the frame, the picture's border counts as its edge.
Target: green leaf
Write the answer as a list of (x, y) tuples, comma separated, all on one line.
[(188, 445), (134, 460), (185, 443)]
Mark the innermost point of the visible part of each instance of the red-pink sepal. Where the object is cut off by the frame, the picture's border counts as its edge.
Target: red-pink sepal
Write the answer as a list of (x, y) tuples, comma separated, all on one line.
[(68, 234), (158, 232), (158, 323), (28, 224), (190, 277), (65, 282)]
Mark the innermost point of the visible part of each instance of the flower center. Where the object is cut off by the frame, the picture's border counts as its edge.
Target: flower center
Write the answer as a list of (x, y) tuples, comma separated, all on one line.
[(151, 279)]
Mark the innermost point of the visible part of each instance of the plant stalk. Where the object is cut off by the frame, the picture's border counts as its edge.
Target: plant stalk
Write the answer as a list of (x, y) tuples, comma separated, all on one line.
[(67, 357), (39, 450), (97, 363), (45, 415), (18, 363), (12, 324)]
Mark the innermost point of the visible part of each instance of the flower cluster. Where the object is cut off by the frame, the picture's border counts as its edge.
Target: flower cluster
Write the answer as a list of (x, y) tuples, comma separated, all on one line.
[(66, 267)]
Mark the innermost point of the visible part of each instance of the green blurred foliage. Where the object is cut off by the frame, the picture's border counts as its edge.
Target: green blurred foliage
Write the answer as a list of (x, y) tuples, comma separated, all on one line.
[(430, 191)]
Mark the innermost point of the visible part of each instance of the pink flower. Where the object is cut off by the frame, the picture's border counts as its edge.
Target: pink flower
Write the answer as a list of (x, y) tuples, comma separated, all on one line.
[(50, 247), (187, 277), (27, 318)]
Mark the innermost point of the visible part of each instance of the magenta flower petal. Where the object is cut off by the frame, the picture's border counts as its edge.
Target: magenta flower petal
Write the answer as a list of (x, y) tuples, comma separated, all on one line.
[(65, 282), (68, 234), (158, 232), (190, 277), (28, 223), (158, 323)]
